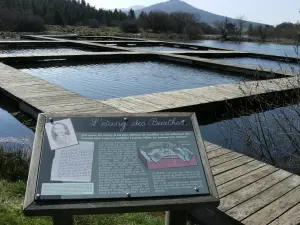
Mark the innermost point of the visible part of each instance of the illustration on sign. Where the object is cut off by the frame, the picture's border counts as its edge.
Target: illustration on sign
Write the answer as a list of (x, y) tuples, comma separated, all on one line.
[(61, 134), (159, 155)]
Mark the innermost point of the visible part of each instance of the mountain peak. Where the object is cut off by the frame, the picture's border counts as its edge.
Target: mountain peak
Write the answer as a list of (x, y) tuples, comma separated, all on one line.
[(181, 6)]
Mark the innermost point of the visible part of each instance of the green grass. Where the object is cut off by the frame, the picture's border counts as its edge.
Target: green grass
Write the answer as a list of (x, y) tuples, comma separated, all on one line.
[(11, 203), (13, 175)]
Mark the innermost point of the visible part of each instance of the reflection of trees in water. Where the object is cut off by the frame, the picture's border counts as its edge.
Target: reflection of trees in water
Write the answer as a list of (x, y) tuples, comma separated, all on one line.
[(271, 136)]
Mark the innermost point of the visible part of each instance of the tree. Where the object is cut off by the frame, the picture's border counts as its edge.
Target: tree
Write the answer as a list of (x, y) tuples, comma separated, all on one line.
[(143, 20), (193, 31), (232, 30), (208, 29), (285, 30), (131, 14), (71, 12), (129, 26), (222, 26), (58, 18), (93, 23), (241, 23), (250, 30), (179, 20), (30, 23), (263, 32), (159, 21)]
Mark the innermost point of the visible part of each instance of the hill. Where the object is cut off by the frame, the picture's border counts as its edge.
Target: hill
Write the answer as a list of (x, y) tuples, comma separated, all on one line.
[(181, 6), (135, 8)]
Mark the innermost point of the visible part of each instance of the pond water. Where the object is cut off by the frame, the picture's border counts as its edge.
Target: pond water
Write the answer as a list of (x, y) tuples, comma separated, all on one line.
[(58, 51), (114, 80), (266, 48), (13, 134), (157, 48), (264, 63), (271, 135)]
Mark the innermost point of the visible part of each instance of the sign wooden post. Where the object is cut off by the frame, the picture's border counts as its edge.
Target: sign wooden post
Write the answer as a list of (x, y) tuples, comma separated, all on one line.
[(118, 163), (61, 219), (176, 218)]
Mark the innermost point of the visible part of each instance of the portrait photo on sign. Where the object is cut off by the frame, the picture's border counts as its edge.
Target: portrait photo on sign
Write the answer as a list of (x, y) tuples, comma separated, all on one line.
[(61, 134)]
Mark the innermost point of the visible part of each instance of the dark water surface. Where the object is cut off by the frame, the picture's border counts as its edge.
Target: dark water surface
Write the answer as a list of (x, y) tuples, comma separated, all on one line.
[(114, 80), (276, 131), (158, 48), (13, 133), (266, 48), (58, 51), (264, 63)]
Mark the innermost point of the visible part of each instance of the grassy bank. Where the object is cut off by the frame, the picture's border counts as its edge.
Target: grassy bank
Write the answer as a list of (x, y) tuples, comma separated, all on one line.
[(13, 175), (115, 31), (103, 31)]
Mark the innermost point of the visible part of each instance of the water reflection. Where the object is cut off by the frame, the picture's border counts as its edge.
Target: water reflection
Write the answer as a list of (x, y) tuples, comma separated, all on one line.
[(13, 134), (59, 51), (266, 48), (157, 48), (270, 136), (113, 80), (255, 62)]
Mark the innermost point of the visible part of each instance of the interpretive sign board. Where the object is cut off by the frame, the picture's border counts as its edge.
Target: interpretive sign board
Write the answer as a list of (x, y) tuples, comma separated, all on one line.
[(118, 163)]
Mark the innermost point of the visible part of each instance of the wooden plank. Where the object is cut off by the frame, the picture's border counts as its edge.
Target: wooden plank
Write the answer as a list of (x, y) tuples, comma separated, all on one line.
[(275, 209), (132, 105), (212, 147), (264, 198), (250, 191), (292, 217), (237, 172), (217, 153), (213, 93), (79, 106), (231, 165), (225, 158), (245, 180)]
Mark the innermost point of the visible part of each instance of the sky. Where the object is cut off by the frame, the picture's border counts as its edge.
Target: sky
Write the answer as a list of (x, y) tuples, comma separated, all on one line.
[(264, 11)]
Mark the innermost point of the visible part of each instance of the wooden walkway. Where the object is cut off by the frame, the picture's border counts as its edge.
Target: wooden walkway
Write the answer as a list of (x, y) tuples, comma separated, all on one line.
[(191, 99), (252, 192), (34, 94)]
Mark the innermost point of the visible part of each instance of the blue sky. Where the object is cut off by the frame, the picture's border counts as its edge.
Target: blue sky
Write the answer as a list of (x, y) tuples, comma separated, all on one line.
[(264, 11)]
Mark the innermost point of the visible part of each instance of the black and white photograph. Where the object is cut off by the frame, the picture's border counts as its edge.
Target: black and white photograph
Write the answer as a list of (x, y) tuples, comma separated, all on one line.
[(61, 134)]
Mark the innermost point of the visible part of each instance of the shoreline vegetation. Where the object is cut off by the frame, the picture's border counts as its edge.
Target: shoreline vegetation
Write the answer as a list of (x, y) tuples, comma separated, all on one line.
[(116, 31)]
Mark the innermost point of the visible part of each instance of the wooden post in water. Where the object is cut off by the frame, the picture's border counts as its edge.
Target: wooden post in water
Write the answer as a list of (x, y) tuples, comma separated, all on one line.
[(176, 218)]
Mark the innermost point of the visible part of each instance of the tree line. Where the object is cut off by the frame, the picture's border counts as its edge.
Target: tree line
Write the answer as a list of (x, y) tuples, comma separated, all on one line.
[(161, 22), (238, 30), (56, 12), (31, 15)]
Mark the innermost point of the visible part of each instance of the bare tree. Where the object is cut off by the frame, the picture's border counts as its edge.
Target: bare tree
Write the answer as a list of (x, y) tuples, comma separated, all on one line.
[(272, 131), (263, 32), (222, 26), (241, 24)]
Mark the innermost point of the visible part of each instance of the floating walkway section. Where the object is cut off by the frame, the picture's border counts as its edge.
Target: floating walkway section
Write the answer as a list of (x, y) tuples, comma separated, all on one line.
[(251, 192), (199, 98)]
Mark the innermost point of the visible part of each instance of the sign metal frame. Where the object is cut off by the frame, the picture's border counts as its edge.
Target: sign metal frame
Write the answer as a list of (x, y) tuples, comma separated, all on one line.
[(81, 207)]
